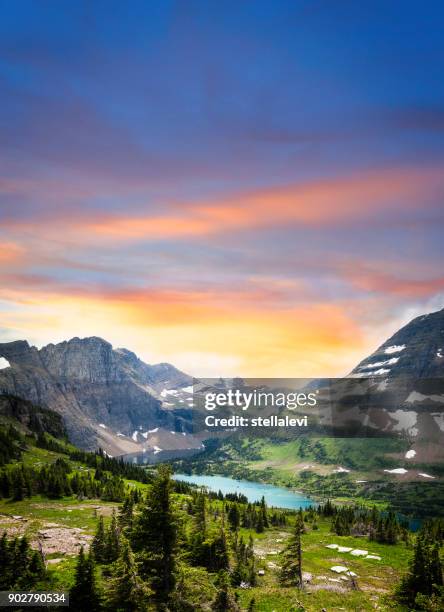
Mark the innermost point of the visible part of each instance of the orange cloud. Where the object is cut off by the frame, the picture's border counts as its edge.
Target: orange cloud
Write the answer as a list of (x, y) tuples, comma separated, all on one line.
[(389, 284), (10, 252), (318, 203)]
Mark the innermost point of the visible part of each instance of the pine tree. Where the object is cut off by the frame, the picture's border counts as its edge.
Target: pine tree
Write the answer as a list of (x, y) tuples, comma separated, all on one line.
[(18, 485), (259, 523), (435, 567), (37, 568), (154, 537), (291, 569), (200, 514), (424, 576), (112, 540), (98, 545), (264, 512), (233, 517), (84, 595), (126, 513), (127, 591), (224, 601)]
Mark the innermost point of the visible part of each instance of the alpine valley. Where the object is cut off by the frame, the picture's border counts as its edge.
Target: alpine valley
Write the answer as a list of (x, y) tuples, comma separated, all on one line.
[(124, 537)]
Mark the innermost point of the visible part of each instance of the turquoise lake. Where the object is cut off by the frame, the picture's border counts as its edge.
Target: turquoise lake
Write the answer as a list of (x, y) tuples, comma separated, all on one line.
[(274, 496)]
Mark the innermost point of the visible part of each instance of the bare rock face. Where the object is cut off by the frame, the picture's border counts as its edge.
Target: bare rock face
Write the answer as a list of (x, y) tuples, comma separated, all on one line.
[(416, 351), (98, 391), (406, 375)]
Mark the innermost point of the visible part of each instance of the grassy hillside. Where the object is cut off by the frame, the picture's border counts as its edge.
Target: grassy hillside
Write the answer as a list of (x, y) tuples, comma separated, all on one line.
[(338, 468), (164, 545)]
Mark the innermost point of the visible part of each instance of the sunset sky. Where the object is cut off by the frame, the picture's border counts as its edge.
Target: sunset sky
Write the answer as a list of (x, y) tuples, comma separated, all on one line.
[(238, 188)]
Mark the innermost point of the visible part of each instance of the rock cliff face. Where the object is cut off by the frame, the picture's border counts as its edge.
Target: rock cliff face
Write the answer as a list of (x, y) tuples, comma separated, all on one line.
[(104, 395), (416, 351), (406, 378)]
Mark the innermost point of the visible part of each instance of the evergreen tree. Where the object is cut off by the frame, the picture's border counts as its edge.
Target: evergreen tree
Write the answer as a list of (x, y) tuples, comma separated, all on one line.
[(225, 601), (424, 577), (435, 567), (112, 540), (84, 595), (263, 511), (154, 537), (127, 591), (233, 517), (291, 569), (126, 513), (98, 545)]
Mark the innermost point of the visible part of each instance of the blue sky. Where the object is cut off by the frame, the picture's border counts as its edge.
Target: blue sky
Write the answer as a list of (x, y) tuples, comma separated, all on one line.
[(239, 187)]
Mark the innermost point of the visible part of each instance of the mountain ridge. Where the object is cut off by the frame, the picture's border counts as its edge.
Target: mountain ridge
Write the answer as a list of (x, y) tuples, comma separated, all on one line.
[(98, 390), (111, 398)]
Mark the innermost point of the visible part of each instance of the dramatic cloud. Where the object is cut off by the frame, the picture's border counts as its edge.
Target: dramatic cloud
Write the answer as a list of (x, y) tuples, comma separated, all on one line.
[(253, 192)]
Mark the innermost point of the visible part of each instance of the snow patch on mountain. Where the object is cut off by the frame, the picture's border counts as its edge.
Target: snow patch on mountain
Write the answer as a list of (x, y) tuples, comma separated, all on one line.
[(4, 363), (378, 364), (405, 420), (397, 471), (396, 348), (439, 419)]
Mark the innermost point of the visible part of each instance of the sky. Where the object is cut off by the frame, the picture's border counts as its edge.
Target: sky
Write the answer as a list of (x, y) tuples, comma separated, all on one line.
[(238, 188)]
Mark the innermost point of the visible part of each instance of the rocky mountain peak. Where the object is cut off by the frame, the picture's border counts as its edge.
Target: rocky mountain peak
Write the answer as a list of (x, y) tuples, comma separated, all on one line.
[(416, 350), (104, 395)]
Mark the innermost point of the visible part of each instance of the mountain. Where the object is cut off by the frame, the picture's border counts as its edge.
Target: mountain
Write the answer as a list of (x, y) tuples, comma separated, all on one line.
[(406, 386), (107, 397), (112, 399), (416, 350)]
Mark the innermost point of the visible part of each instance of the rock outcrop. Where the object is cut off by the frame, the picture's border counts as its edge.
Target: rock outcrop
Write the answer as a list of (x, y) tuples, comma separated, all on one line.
[(100, 392)]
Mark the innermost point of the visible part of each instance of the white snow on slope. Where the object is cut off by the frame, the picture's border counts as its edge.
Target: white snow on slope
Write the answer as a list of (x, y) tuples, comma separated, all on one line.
[(397, 471), (156, 429), (396, 348), (406, 420), (410, 454), (426, 475), (439, 419), (378, 364), (4, 363), (415, 396), (102, 425), (166, 392), (341, 470), (339, 569), (188, 389), (357, 552), (134, 436)]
